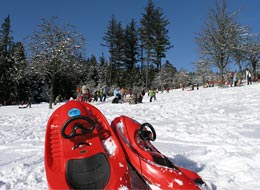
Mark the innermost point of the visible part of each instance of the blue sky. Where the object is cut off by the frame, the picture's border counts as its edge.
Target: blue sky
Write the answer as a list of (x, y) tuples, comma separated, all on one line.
[(91, 18)]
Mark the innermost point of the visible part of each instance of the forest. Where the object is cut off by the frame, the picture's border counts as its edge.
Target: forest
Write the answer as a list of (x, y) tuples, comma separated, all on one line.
[(52, 62)]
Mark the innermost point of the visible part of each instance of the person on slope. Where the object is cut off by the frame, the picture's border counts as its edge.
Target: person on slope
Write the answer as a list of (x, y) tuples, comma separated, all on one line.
[(248, 76), (118, 95), (57, 99), (152, 94), (84, 90), (104, 93), (86, 96), (29, 104)]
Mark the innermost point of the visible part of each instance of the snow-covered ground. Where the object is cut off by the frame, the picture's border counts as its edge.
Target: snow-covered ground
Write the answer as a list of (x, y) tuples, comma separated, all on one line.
[(212, 131)]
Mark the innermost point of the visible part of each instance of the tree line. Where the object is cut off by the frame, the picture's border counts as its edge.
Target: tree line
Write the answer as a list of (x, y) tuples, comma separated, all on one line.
[(53, 61)]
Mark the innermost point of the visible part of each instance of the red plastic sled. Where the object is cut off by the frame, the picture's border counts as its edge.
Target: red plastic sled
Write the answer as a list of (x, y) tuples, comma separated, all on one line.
[(82, 151), (155, 168)]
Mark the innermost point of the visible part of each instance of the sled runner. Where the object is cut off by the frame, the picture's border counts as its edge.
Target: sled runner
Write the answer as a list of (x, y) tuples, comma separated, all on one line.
[(155, 168), (82, 151)]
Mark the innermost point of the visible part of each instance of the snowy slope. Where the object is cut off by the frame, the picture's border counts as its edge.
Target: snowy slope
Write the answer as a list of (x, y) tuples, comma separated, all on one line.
[(213, 131)]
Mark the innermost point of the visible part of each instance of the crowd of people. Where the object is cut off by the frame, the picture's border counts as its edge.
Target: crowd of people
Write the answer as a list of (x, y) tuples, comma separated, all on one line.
[(120, 95), (236, 78), (84, 94)]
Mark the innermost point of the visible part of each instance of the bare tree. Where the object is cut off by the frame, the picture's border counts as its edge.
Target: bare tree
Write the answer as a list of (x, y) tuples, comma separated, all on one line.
[(53, 51), (241, 36), (216, 37), (253, 54)]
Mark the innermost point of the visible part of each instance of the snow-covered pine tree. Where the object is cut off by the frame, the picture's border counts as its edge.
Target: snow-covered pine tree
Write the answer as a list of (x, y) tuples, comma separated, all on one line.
[(165, 77)]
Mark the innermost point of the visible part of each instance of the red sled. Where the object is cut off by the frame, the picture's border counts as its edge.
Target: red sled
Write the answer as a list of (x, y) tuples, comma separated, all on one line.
[(82, 151), (155, 168)]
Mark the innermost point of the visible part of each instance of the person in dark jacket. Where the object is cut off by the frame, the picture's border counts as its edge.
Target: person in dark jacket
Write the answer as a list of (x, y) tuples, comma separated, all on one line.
[(104, 93)]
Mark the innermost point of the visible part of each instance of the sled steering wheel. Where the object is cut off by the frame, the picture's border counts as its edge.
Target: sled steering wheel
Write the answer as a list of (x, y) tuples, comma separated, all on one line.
[(147, 132), (79, 128)]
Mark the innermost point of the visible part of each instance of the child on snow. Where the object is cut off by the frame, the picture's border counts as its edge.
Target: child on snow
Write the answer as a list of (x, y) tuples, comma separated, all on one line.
[(152, 94)]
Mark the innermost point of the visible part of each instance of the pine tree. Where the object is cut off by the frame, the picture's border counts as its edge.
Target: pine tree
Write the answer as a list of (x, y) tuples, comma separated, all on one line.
[(147, 37), (162, 42), (7, 87), (131, 52), (114, 42), (165, 76), (19, 71), (203, 69), (6, 39), (154, 37), (103, 73)]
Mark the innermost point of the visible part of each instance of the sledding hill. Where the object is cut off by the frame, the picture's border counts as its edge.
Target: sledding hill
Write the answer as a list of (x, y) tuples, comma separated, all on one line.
[(212, 131)]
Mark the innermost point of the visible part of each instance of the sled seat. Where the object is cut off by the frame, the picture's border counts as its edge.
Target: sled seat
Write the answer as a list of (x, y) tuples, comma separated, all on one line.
[(149, 152), (88, 173), (163, 161)]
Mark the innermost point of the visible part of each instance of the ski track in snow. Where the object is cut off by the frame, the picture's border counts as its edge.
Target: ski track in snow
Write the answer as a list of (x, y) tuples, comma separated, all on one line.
[(213, 131)]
